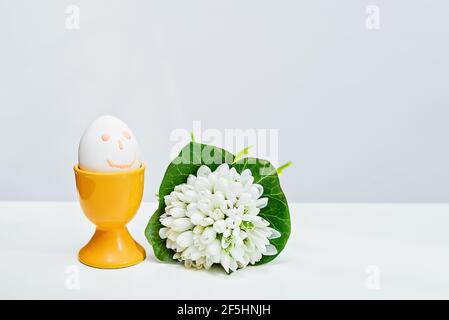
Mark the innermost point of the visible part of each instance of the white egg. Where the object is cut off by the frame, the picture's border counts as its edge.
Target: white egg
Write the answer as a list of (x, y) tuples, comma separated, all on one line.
[(108, 145)]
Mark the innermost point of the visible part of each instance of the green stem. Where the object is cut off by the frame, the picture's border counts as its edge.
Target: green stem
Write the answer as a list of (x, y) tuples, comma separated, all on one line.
[(192, 136), (241, 153), (284, 166)]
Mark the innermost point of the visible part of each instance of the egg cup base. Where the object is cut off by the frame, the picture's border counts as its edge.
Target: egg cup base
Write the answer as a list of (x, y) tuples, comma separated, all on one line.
[(111, 249)]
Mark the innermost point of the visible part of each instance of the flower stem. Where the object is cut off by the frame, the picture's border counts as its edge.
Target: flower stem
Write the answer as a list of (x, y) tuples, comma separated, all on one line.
[(192, 136), (242, 153), (284, 166)]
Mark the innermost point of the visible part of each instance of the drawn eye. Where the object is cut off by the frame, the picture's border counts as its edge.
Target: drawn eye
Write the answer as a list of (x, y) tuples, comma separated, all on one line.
[(127, 135), (105, 137)]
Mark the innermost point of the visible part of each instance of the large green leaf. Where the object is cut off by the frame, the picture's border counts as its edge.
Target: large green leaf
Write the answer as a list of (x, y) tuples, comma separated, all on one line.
[(195, 155)]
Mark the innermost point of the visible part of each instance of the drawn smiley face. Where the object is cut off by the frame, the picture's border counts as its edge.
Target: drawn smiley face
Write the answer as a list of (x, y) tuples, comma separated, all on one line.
[(108, 145)]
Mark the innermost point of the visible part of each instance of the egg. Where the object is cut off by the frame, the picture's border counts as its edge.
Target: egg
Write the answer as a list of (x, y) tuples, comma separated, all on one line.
[(108, 145)]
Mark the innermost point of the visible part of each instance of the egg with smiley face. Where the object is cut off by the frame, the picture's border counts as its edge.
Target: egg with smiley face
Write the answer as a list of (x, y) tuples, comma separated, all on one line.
[(108, 145)]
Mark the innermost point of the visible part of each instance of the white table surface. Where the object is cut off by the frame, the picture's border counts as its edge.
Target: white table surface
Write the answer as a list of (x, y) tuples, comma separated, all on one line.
[(361, 251)]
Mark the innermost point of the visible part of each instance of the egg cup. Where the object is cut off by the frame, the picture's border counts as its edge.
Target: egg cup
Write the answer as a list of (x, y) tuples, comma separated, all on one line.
[(110, 200)]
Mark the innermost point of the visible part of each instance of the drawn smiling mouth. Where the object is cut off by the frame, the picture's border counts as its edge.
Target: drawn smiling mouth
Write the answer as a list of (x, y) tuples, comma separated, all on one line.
[(121, 166)]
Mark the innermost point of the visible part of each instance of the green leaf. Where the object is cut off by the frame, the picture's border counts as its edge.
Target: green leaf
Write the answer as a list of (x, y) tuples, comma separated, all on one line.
[(242, 153), (281, 169), (193, 156)]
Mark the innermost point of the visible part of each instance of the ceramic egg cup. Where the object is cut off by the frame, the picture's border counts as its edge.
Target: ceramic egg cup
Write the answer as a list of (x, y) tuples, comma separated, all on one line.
[(110, 200)]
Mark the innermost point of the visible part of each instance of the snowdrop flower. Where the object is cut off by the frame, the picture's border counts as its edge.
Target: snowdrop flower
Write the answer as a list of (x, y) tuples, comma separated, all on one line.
[(214, 219)]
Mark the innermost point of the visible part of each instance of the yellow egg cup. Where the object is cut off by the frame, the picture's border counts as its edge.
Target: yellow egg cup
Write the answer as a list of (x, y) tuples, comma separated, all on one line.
[(110, 200)]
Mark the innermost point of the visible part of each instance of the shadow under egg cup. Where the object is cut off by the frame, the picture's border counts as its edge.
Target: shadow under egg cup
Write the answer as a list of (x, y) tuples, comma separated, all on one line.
[(110, 200)]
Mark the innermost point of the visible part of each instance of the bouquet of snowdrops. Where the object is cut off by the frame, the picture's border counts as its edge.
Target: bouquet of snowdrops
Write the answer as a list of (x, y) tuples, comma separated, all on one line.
[(218, 208)]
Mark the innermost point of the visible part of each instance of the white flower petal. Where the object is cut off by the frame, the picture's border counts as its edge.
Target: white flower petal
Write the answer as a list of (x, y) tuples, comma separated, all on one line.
[(245, 175), (203, 171), (181, 224), (227, 233), (163, 233), (254, 211), (209, 263), (260, 222), (248, 217), (190, 196), (247, 184), (204, 205), (233, 174), (177, 255), (168, 200), (223, 169), (233, 265), (197, 217), (262, 203), (208, 236), (245, 261), (225, 242), (195, 254), (244, 199), (237, 221), (171, 244), (192, 207), (225, 261), (270, 250), (172, 235), (207, 222), (177, 212), (202, 184), (191, 180), (185, 239), (221, 185), (237, 253), (167, 221), (163, 216), (198, 230), (219, 226), (233, 222), (213, 251), (256, 191), (274, 233)]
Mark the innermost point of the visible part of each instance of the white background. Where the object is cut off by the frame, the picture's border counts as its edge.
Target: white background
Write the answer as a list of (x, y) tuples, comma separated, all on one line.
[(363, 114)]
